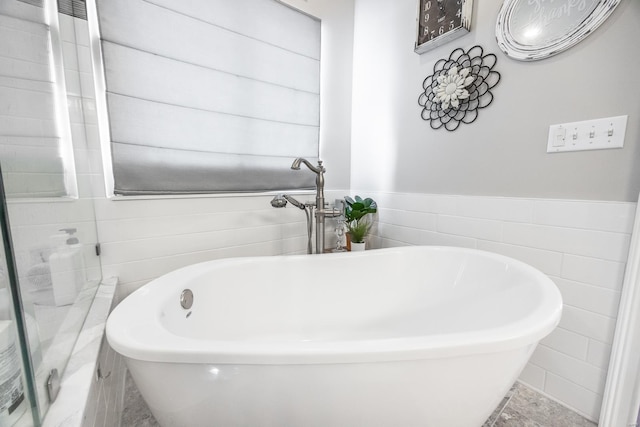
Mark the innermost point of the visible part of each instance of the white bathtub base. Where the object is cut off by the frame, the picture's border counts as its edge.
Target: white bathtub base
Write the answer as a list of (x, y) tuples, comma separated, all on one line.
[(455, 392), (434, 337)]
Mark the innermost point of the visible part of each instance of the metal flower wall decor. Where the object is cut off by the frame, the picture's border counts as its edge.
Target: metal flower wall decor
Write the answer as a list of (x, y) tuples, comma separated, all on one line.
[(458, 88)]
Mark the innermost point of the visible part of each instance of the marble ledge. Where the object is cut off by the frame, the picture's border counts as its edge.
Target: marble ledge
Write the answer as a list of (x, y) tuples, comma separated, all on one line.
[(68, 409)]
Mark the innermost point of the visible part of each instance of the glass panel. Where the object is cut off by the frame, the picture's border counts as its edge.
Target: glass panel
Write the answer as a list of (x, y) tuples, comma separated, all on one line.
[(53, 232), (17, 392)]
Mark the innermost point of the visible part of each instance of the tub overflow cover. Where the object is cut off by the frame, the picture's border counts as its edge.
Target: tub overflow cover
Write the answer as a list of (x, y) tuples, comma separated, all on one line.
[(186, 299)]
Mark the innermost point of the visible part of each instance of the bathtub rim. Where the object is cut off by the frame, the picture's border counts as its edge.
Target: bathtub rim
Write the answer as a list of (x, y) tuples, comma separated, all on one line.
[(148, 340)]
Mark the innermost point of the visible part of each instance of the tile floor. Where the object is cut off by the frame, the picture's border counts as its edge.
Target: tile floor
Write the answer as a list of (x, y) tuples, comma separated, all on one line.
[(524, 407), (521, 407)]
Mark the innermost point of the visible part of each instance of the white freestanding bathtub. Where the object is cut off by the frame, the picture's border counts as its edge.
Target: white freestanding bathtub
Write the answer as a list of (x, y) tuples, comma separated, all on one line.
[(402, 337)]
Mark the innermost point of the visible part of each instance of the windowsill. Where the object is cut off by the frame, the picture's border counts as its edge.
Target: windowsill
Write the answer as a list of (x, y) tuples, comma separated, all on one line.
[(18, 201), (117, 198)]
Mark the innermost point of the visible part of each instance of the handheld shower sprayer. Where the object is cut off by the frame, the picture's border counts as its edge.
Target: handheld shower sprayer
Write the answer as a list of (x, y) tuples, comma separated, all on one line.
[(278, 201)]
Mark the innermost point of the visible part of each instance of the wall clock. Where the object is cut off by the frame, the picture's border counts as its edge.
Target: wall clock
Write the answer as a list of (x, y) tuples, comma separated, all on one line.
[(440, 21), (529, 30)]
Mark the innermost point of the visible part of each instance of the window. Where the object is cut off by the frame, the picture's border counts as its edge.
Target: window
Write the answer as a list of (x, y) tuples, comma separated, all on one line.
[(35, 137), (209, 95)]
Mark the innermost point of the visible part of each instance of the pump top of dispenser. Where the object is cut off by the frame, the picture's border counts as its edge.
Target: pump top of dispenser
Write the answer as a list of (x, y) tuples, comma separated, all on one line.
[(71, 239)]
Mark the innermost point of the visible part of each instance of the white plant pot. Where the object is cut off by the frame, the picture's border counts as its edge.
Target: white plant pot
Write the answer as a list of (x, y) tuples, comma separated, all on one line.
[(357, 247)]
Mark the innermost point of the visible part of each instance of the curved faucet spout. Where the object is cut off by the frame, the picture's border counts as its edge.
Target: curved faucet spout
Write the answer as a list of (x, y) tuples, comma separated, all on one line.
[(296, 165), (321, 212)]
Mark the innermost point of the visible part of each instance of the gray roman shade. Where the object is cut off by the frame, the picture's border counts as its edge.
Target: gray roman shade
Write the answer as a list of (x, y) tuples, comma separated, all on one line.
[(30, 138), (210, 95)]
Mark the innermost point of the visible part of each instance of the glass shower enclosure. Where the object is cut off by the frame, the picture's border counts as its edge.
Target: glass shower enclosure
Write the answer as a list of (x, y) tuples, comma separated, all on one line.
[(49, 266)]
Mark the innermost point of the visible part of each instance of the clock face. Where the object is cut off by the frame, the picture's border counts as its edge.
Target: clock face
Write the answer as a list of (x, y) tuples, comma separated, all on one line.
[(439, 19)]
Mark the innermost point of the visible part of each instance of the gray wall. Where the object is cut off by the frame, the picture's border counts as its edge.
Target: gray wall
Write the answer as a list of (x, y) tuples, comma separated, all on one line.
[(504, 152)]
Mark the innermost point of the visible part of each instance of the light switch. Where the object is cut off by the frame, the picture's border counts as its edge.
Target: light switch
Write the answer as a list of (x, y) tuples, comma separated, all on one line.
[(598, 134), (559, 137)]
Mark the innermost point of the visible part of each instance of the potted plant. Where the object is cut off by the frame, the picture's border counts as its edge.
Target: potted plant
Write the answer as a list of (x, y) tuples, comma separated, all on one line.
[(355, 215)]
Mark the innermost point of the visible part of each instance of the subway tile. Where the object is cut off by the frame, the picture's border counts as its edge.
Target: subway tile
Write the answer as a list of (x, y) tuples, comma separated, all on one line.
[(151, 268), (599, 354), (101, 412), (61, 212), (412, 202), (587, 323), (548, 262), (533, 376), (412, 219), (444, 205), (164, 246), (588, 297), (431, 203), (126, 289), (567, 342), (294, 245), (36, 236), (107, 209), (439, 239), (390, 243), (594, 271), (603, 216), (422, 237), (142, 228), (570, 368), (495, 208), (583, 401), (470, 227), (386, 200), (596, 244)]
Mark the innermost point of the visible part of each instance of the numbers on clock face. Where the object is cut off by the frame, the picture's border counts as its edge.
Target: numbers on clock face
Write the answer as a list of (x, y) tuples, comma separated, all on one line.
[(438, 17)]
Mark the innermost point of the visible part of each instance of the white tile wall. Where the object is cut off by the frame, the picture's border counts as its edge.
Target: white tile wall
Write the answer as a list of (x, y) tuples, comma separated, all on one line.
[(106, 396), (581, 245), (144, 238)]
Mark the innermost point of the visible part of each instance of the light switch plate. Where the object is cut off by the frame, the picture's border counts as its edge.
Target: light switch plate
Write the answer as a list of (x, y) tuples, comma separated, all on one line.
[(598, 134)]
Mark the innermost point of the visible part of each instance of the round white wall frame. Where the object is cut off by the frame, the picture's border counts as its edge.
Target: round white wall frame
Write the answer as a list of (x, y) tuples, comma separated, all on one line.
[(528, 30)]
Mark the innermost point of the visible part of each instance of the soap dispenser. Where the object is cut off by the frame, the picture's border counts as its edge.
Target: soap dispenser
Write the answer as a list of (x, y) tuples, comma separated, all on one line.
[(67, 269)]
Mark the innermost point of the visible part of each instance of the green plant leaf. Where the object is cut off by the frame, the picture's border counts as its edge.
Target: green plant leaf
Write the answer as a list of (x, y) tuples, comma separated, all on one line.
[(356, 210)]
